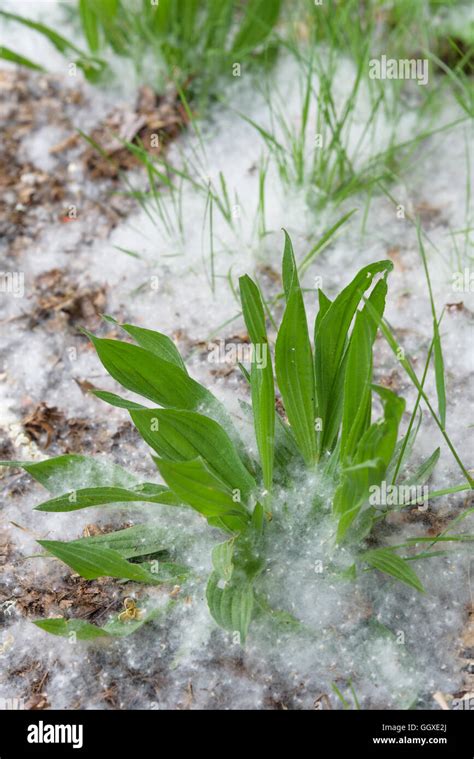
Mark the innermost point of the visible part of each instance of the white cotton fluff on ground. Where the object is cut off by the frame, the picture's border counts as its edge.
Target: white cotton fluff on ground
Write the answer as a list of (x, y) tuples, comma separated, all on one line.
[(188, 662)]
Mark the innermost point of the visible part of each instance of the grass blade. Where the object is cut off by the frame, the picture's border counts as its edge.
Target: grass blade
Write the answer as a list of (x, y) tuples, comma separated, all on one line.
[(437, 350), (398, 352), (10, 55), (424, 471)]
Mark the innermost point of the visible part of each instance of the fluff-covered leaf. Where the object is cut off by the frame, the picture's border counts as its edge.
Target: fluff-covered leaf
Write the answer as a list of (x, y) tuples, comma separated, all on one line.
[(92, 562), (197, 486), (148, 492), (179, 435), (369, 465), (76, 471), (231, 604), (385, 560)]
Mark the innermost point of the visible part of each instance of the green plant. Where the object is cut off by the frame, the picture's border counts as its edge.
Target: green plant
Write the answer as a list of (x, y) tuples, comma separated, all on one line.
[(195, 38), (325, 152), (184, 40), (326, 435), (92, 66)]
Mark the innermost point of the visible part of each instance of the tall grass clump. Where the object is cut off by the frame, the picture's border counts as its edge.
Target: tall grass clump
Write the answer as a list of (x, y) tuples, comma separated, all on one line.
[(185, 41)]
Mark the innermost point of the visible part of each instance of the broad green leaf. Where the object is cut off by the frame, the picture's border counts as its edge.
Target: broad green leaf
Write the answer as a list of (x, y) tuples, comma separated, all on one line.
[(163, 382), (257, 518), (120, 628), (353, 492), (289, 269), (330, 344), (115, 400), (106, 10), (76, 471), (294, 363), (157, 343), (145, 373), (165, 572), (94, 561), (357, 399), (369, 465), (230, 524), (360, 529), (324, 303), (261, 377), (184, 435), (83, 630), (64, 627), (195, 485), (139, 540), (163, 17), (115, 32), (222, 555), (357, 403), (383, 445), (385, 560), (231, 604), (148, 492), (253, 311)]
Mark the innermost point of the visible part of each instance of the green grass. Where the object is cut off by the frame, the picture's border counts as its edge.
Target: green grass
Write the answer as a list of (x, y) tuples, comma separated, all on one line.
[(318, 152), (91, 65), (197, 45), (324, 379), (192, 43)]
